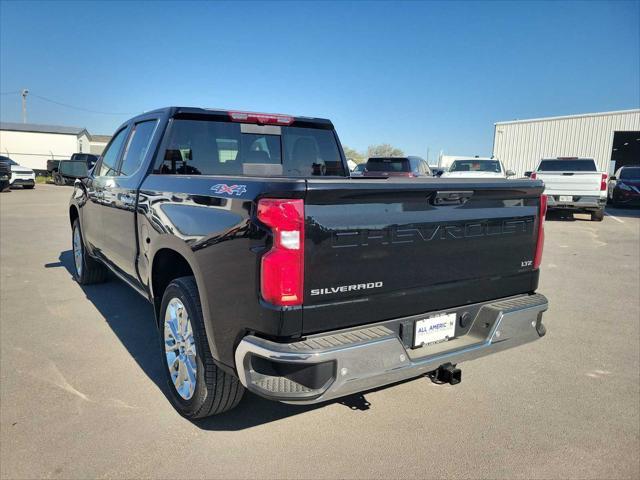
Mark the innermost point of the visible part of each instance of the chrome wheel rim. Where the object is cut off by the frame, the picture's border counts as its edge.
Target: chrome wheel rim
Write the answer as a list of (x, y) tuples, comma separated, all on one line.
[(77, 250), (180, 348)]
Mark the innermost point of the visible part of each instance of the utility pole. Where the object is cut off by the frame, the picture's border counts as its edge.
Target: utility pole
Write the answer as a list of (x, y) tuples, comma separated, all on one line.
[(24, 93)]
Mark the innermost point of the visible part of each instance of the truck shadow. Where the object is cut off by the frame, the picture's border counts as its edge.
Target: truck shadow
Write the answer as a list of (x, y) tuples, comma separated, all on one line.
[(137, 332), (624, 212)]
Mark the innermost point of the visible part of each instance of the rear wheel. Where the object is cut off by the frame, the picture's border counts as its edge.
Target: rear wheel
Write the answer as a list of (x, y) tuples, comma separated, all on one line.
[(57, 179), (87, 270), (597, 215), (198, 387)]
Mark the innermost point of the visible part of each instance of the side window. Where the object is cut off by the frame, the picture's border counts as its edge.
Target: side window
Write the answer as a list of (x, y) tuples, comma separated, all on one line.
[(137, 146), (110, 156)]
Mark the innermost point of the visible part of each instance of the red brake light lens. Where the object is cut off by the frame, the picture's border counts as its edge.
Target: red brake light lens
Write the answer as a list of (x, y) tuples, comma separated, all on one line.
[(603, 182), (537, 260), (533, 175), (282, 267), (261, 118)]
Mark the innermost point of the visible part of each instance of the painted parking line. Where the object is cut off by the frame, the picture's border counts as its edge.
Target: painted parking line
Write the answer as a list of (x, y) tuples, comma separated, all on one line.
[(615, 218)]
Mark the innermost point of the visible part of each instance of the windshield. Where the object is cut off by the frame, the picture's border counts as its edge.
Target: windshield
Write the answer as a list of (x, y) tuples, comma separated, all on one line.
[(573, 165), (630, 173), (388, 165), (492, 166), (73, 169), (206, 147), (360, 167)]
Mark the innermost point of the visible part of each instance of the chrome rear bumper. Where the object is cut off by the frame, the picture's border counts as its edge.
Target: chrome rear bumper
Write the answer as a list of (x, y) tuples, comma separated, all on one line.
[(356, 360)]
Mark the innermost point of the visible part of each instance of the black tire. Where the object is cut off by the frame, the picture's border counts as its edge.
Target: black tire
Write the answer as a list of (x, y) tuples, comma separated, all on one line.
[(597, 215), (92, 271), (215, 391), (57, 179)]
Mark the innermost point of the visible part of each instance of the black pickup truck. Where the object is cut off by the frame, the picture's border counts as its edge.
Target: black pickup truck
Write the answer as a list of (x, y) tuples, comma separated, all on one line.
[(271, 269), (5, 173), (53, 166)]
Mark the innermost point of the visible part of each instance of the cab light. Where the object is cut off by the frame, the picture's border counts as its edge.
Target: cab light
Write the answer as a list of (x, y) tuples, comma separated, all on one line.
[(282, 267), (261, 118)]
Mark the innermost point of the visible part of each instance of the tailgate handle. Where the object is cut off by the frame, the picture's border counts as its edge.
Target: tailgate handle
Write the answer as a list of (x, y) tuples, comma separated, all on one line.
[(451, 197)]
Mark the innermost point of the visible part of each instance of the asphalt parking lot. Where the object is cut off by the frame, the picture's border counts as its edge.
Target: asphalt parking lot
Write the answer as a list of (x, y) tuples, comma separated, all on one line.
[(82, 396)]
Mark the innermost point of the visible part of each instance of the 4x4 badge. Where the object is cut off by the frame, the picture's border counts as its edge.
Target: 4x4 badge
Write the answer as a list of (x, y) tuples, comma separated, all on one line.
[(229, 189)]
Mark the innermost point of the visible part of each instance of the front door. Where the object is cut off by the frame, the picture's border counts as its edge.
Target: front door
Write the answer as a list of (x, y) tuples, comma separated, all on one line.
[(120, 199), (103, 174)]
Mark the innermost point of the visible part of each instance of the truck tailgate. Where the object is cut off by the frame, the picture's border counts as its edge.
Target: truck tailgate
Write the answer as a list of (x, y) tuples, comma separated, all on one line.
[(574, 183), (382, 249)]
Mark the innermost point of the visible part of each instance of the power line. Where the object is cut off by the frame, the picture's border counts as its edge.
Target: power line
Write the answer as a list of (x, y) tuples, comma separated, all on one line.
[(75, 107), (10, 93)]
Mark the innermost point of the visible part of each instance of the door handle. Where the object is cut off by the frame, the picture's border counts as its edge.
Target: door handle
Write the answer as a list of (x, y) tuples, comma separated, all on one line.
[(127, 199), (450, 197)]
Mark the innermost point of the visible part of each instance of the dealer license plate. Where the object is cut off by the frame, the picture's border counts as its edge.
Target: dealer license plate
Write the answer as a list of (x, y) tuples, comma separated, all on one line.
[(566, 198), (434, 330)]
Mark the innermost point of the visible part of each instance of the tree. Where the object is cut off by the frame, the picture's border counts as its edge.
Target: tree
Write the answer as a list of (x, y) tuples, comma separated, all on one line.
[(354, 155), (384, 150)]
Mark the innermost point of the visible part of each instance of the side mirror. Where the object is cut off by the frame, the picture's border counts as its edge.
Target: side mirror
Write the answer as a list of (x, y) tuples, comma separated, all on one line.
[(527, 174), (510, 173), (612, 178)]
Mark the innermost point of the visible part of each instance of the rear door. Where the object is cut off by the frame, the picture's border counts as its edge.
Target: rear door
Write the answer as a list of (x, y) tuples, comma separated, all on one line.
[(382, 249)]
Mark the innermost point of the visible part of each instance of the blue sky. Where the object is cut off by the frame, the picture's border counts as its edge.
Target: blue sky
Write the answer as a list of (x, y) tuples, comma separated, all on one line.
[(417, 75)]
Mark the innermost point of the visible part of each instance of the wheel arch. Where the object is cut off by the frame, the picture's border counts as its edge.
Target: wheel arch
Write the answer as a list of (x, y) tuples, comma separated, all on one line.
[(74, 214), (173, 261)]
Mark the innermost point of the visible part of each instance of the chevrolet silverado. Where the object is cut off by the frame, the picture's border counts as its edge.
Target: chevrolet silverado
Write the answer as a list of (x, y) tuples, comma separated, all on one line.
[(573, 184), (271, 269)]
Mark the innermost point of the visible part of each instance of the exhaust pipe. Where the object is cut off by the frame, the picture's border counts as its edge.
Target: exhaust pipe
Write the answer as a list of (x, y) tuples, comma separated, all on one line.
[(448, 373)]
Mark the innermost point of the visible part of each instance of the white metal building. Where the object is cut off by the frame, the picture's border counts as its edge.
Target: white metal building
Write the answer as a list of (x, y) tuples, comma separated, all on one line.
[(605, 137), (32, 145)]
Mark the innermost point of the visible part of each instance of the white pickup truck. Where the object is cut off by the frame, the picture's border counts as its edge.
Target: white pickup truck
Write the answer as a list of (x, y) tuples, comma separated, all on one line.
[(574, 184)]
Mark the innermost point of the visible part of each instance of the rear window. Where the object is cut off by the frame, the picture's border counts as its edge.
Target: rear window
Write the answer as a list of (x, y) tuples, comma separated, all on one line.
[(388, 165), (630, 174), (567, 166), (205, 147), (492, 166)]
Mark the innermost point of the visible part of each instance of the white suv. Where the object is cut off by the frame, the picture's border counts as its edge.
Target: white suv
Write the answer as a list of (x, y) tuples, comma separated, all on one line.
[(21, 175)]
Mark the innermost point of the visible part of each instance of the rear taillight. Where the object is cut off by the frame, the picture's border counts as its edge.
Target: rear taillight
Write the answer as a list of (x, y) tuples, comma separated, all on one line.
[(537, 260), (533, 175), (261, 118), (603, 182), (282, 267)]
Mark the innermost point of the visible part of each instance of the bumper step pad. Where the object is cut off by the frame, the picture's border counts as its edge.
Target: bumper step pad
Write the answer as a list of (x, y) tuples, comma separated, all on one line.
[(370, 357)]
